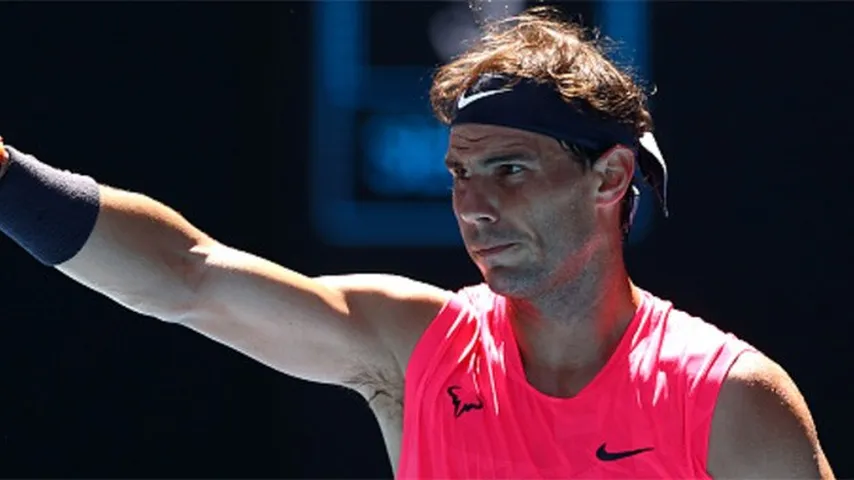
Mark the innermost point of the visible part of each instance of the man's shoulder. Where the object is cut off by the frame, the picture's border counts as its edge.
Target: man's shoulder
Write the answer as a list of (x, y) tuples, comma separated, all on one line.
[(762, 424), (694, 352), (685, 333)]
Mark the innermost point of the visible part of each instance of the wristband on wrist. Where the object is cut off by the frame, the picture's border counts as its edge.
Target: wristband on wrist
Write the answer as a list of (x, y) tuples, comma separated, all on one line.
[(47, 211)]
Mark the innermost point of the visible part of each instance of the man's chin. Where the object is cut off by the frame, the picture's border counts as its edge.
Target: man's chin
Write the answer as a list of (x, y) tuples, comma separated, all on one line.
[(510, 282)]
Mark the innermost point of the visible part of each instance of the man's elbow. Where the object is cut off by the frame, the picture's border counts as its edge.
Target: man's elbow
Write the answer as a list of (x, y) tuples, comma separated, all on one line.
[(178, 295)]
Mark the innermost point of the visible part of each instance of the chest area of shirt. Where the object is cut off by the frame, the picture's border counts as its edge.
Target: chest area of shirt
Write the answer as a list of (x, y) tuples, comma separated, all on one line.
[(497, 426)]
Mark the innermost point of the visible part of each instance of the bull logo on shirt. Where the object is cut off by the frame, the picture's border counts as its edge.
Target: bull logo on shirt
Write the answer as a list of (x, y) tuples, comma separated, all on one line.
[(464, 402)]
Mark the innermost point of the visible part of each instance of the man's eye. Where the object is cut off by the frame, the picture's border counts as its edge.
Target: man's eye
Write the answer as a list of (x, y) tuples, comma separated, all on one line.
[(459, 173), (510, 169)]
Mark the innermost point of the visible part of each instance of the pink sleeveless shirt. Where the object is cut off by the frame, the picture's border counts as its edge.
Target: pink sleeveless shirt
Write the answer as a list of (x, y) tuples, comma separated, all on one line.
[(469, 411)]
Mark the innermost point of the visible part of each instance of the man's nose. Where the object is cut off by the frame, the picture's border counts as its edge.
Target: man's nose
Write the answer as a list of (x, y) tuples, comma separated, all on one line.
[(476, 206)]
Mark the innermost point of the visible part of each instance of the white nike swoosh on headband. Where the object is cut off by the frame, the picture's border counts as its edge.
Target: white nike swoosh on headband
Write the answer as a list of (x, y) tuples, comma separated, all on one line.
[(465, 101)]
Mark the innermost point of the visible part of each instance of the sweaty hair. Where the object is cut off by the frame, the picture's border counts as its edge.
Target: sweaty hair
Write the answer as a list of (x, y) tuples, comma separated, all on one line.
[(540, 45)]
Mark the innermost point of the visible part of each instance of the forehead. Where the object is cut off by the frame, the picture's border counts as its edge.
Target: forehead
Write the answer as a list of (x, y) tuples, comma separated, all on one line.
[(474, 139)]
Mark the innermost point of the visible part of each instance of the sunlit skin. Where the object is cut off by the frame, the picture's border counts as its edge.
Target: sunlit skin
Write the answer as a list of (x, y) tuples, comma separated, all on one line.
[(544, 232)]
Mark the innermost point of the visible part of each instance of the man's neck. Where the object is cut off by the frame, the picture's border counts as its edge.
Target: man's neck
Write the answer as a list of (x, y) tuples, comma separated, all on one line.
[(567, 334)]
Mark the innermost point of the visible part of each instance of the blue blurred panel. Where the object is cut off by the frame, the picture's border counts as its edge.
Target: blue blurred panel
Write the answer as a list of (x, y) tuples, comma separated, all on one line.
[(398, 224), (339, 30), (404, 155), (335, 72), (403, 147), (398, 89), (627, 22)]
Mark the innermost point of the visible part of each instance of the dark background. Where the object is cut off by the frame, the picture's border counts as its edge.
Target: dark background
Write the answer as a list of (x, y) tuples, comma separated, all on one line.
[(205, 106)]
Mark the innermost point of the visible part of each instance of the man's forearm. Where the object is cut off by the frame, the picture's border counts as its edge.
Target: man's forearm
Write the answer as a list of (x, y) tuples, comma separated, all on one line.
[(127, 246), (142, 254)]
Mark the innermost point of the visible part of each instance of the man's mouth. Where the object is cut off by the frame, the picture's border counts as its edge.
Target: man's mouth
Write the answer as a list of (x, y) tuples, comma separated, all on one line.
[(492, 249)]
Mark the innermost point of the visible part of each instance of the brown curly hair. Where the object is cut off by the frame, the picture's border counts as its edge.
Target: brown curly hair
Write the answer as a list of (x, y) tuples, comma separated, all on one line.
[(539, 44)]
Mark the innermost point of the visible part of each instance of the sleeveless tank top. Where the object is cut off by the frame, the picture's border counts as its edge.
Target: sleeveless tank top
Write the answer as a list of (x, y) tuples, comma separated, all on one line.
[(469, 411)]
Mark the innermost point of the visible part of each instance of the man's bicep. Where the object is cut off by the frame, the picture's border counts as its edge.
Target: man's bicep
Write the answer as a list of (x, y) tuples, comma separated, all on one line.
[(323, 329), (308, 328), (762, 426)]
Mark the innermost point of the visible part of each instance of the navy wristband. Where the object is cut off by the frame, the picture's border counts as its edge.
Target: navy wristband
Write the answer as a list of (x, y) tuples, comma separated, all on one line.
[(48, 212)]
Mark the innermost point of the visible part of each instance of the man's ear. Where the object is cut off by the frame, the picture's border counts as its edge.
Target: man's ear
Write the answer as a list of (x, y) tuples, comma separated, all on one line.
[(614, 171)]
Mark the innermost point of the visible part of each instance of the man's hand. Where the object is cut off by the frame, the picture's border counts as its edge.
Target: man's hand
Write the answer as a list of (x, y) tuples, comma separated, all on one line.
[(4, 158)]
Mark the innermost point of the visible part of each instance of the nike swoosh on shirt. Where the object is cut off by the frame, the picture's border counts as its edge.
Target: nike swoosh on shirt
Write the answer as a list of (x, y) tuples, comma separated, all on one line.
[(606, 456)]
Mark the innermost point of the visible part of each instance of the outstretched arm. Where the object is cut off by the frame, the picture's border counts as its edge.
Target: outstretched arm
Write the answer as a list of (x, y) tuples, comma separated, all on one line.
[(147, 257)]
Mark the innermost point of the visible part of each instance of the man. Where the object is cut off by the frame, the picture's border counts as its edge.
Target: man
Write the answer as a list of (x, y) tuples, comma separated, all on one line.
[(557, 366)]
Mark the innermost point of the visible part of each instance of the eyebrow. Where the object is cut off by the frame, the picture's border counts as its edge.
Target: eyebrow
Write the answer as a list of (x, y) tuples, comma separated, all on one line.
[(450, 163)]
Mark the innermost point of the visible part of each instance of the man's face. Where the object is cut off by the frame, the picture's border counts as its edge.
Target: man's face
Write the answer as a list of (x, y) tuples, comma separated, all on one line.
[(525, 208)]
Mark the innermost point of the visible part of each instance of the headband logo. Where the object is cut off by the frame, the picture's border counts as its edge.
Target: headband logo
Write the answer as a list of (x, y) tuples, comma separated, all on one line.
[(465, 101)]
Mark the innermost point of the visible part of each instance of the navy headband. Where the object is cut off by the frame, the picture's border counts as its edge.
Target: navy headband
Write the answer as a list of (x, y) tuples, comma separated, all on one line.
[(536, 107)]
